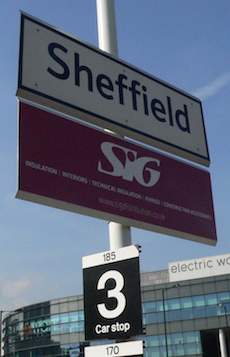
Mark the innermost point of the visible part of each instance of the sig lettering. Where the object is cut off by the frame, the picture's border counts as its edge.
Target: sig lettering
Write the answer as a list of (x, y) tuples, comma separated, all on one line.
[(122, 162)]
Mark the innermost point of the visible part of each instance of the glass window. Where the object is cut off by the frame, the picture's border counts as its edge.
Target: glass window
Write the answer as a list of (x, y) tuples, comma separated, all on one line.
[(222, 297), (159, 306), (55, 319), (192, 348), (151, 341), (151, 351), (73, 327), (162, 340), (211, 299), (161, 351), (177, 350), (55, 329), (199, 312), (187, 314), (64, 328), (81, 315), (175, 315), (153, 318), (63, 318), (172, 304), (149, 306), (152, 306), (176, 338), (198, 300), (73, 316), (186, 302), (189, 337), (212, 310)]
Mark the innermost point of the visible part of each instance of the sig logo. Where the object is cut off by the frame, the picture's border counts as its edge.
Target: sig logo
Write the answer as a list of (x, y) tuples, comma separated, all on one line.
[(123, 162)]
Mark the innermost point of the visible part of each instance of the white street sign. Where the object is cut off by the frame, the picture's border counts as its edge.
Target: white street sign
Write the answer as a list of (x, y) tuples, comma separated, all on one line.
[(132, 348), (63, 73), (111, 291)]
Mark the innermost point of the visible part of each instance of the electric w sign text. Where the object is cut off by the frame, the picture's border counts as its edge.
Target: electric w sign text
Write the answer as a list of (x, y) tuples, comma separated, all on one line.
[(67, 75)]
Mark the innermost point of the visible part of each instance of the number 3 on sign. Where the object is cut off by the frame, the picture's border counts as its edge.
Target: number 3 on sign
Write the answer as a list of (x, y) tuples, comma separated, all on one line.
[(113, 293)]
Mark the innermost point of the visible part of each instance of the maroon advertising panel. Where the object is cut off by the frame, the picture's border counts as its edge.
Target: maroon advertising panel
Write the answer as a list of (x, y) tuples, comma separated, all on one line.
[(67, 165)]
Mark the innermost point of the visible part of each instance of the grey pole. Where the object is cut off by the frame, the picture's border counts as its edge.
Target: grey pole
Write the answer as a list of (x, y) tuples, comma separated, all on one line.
[(106, 26), (119, 235), (222, 341)]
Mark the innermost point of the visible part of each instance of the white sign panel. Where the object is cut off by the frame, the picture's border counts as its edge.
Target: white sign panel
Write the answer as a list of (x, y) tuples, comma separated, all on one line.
[(110, 256), (61, 72), (199, 268), (117, 349)]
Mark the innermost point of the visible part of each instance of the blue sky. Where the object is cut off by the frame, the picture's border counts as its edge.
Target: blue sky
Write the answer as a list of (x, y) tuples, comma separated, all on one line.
[(183, 42)]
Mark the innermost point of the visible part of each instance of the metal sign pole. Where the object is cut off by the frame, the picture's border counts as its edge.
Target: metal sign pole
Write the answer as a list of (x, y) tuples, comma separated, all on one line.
[(119, 235), (106, 26)]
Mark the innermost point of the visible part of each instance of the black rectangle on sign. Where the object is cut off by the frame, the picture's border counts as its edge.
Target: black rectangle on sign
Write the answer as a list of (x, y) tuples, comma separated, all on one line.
[(112, 300)]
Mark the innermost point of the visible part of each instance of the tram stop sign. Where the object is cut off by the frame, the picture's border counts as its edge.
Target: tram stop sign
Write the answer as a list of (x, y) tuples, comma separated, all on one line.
[(112, 296)]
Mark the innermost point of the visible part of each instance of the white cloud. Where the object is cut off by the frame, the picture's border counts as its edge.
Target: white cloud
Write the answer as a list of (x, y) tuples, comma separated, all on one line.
[(13, 292), (32, 288), (214, 87), (16, 292), (13, 289)]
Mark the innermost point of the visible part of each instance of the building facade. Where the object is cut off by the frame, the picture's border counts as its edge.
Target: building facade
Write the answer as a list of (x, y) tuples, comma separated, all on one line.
[(190, 318)]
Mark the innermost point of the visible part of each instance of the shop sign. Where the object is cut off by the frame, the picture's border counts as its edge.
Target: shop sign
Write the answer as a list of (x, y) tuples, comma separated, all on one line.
[(70, 166), (199, 268)]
